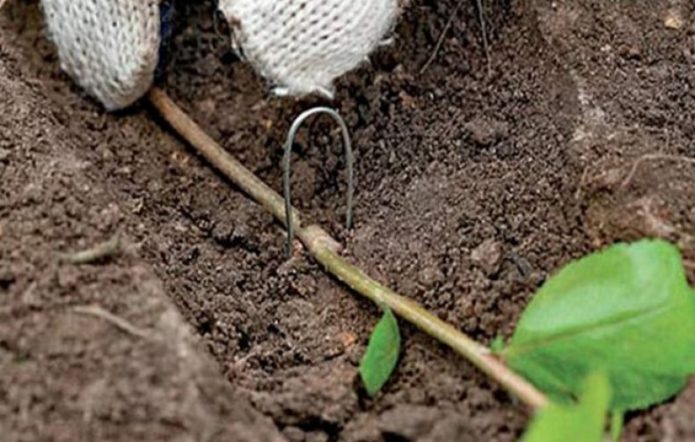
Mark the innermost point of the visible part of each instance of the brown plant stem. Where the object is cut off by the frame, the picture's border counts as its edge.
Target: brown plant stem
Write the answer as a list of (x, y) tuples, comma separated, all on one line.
[(322, 248), (118, 322), (99, 252), (654, 157)]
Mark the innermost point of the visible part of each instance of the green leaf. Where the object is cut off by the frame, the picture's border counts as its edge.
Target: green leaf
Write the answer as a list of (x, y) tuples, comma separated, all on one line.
[(382, 353), (617, 423), (497, 345), (583, 422), (627, 311)]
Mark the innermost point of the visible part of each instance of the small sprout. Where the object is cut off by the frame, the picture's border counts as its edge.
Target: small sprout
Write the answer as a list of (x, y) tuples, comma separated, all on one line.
[(381, 357)]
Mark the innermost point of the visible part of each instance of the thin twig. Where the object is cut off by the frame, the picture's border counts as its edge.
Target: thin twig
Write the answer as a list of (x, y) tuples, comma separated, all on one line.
[(450, 21), (440, 40), (120, 323), (653, 157), (322, 247), (483, 31), (99, 252), (580, 186)]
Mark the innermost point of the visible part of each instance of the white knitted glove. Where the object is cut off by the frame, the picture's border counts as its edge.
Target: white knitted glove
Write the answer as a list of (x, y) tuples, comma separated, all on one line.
[(111, 47), (303, 45)]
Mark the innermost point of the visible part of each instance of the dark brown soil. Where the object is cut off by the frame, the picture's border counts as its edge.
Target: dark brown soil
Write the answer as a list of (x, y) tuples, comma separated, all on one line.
[(475, 181)]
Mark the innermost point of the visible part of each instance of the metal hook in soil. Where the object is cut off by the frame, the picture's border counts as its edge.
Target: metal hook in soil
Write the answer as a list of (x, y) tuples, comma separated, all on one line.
[(286, 167)]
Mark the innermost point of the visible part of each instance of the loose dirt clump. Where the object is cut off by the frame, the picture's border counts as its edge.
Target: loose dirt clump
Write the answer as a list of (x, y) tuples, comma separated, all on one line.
[(476, 179)]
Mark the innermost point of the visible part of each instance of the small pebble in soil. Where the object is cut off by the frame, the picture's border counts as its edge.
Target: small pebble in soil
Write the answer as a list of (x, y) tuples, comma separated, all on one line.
[(674, 19), (488, 256), (486, 131), (293, 434)]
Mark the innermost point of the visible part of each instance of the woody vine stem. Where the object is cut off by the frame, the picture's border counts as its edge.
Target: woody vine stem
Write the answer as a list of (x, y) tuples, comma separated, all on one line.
[(324, 249)]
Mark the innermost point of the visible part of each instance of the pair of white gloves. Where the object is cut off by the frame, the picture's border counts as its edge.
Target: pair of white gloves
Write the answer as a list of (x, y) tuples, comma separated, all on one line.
[(112, 47)]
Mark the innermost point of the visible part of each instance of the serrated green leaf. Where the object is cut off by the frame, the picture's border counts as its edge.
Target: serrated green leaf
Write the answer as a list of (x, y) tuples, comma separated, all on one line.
[(583, 422), (381, 356), (627, 311)]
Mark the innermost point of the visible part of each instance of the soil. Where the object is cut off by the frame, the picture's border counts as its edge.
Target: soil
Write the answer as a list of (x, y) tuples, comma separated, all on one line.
[(476, 178)]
